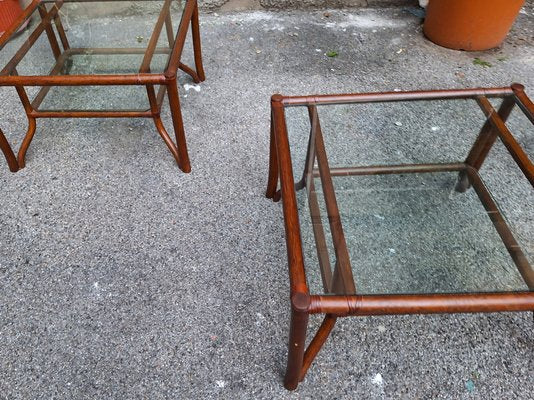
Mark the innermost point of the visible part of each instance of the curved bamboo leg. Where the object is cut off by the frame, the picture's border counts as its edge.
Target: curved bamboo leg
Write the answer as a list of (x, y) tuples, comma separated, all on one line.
[(21, 156), (8, 153), (166, 138), (190, 71), (197, 49)]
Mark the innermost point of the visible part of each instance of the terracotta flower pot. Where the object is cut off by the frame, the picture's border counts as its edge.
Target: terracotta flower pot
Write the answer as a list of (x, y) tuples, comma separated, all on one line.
[(9, 12), (470, 24)]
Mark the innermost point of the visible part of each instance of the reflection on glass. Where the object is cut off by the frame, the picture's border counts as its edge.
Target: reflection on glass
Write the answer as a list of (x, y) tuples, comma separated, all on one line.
[(64, 98), (414, 233)]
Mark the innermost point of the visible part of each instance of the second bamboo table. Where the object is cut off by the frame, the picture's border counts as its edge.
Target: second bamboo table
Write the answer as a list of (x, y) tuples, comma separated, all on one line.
[(393, 212), (119, 65)]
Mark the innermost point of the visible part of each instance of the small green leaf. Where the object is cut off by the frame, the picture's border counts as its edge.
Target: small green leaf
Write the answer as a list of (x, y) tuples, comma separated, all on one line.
[(139, 39), (332, 53), (482, 63)]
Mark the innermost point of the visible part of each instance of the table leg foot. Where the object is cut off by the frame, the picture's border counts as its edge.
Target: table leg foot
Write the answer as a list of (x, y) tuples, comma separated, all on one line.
[(191, 72), (167, 139), (21, 156), (8, 153)]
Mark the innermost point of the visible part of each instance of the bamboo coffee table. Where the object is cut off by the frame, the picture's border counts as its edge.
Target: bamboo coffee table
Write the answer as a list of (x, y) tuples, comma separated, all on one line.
[(399, 219), (120, 65)]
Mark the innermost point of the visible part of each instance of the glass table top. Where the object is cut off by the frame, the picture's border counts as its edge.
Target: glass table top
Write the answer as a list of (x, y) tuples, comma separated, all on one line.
[(409, 233), (106, 37), (93, 38)]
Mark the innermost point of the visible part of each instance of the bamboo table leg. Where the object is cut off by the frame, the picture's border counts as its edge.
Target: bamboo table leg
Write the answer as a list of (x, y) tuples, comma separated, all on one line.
[(195, 28), (483, 144), (174, 102), (297, 341), (8, 153)]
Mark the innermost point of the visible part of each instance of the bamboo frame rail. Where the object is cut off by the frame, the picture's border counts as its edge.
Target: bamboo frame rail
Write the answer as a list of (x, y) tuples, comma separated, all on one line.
[(421, 304), (342, 278), (515, 149), (308, 182), (395, 96), (58, 76), (341, 297)]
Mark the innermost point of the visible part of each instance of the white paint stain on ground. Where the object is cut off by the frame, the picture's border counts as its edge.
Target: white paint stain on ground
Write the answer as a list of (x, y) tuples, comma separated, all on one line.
[(259, 318), (276, 27), (97, 291), (378, 380), (196, 88), (366, 20), (526, 59), (220, 383), (256, 16)]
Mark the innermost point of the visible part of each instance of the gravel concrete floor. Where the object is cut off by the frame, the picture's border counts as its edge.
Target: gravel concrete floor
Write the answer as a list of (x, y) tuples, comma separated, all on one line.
[(121, 277)]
